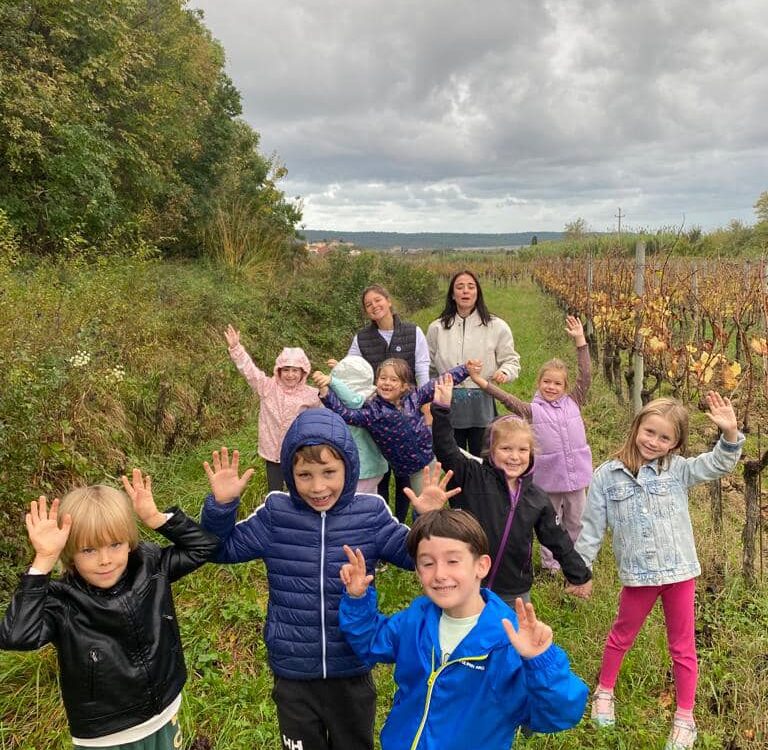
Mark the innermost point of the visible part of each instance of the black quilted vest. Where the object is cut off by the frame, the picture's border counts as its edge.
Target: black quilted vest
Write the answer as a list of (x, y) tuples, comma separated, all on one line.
[(403, 345)]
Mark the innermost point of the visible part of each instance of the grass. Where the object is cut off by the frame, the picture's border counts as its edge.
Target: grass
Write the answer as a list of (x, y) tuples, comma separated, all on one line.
[(227, 703)]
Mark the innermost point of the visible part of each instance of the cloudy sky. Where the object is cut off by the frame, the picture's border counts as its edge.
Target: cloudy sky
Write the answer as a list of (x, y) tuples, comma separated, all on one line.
[(506, 115)]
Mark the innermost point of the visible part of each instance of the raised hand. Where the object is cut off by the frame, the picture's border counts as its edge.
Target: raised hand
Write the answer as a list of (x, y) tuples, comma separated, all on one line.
[(499, 377), (575, 330), (722, 414), (226, 484), (434, 494), (232, 335), (532, 637), (443, 388), (139, 489), (47, 539), (583, 591), (353, 574)]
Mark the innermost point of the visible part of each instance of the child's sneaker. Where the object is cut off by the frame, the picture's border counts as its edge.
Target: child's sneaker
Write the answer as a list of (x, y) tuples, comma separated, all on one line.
[(603, 713), (682, 736)]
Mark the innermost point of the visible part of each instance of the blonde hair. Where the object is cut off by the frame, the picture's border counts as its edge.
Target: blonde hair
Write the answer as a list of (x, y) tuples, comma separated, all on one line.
[(504, 426), (100, 515), (557, 365), (667, 408)]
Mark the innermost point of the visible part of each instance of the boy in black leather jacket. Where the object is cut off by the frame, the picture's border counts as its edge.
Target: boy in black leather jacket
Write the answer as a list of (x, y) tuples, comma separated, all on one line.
[(111, 616)]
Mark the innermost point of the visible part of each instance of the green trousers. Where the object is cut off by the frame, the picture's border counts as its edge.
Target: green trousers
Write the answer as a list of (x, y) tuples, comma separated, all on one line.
[(167, 737)]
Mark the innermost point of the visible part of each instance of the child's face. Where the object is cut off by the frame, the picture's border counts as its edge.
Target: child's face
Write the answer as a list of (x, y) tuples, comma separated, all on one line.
[(552, 384), (656, 436), (450, 575), (102, 566), (320, 484), (290, 376), (389, 386), (512, 454)]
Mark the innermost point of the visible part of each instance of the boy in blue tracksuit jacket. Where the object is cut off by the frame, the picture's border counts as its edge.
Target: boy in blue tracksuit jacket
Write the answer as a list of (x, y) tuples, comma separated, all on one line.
[(469, 671), (324, 693)]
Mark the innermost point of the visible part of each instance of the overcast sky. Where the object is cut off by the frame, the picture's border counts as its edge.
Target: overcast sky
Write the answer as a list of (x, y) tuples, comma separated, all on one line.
[(506, 115)]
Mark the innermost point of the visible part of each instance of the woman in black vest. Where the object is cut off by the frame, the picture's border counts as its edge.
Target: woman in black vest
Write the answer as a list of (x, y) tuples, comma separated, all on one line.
[(389, 336)]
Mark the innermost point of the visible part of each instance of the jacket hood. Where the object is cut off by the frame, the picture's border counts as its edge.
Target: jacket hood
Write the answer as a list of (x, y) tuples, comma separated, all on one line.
[(293, 356), (321, 427), (488, 448), (356, 373)]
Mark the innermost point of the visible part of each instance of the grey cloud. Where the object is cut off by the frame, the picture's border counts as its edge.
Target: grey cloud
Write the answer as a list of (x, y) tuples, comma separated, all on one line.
[(528, 109)]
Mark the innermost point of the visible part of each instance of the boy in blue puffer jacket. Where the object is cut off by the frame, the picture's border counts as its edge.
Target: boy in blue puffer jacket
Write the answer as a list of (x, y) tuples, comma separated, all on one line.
[(324, 694), (469, 670)]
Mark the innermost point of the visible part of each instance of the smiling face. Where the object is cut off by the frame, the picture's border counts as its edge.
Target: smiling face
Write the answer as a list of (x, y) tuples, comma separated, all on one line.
[(511, 449), (378, 308), (321, 483), (451, 574), (656, 437), (552, 384), (464, 294), (102, 566), (291, 376), (390, 386)]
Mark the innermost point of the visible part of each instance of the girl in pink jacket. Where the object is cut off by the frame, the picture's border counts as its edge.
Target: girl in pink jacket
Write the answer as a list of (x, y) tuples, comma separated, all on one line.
[(283, 397), (563, 458)]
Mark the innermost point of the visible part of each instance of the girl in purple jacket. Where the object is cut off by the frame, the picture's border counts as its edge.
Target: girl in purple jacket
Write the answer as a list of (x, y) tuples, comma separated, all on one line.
[(393, 416), (563, 459)]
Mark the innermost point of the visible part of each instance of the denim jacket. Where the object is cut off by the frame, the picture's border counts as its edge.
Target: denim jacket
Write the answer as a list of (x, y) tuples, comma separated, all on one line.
[(648, 515)]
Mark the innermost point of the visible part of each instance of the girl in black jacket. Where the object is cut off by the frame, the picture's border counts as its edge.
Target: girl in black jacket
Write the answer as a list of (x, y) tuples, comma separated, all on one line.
[(111, 616), (500, 493)]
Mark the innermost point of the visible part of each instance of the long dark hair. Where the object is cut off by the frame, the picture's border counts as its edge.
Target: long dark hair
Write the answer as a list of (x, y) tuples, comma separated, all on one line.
[(448, 315)]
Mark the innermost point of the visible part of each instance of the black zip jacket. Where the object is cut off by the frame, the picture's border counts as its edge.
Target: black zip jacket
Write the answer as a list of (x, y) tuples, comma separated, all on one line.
[(119, 649), (485, 494)]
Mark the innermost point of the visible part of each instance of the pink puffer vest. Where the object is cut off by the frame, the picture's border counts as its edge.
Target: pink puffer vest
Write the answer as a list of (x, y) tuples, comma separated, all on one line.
[(563, 458)]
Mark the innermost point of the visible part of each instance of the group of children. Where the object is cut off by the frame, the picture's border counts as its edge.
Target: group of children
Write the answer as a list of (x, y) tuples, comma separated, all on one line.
[(472, 661)]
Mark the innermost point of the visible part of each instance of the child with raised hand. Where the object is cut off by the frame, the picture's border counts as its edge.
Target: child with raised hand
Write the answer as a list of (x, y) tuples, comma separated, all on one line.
[(324, 694), (111, 616), (642, 496), (283, 396), (563, 458), (469, 671), (351, 379), (393, 417), (500, 492)]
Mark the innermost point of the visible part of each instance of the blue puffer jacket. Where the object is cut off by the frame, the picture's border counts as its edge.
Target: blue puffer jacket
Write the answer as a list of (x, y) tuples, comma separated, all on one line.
[(302, 550)]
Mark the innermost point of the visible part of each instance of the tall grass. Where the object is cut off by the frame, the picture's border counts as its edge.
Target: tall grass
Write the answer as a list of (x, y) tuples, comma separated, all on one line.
[(227, 702)]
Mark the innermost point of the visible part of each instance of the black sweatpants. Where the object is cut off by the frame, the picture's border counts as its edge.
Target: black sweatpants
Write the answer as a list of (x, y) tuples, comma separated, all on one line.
[(332, 714)]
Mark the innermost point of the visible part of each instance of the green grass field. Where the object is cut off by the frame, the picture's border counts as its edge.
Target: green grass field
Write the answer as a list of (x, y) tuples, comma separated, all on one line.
[(227, 702)]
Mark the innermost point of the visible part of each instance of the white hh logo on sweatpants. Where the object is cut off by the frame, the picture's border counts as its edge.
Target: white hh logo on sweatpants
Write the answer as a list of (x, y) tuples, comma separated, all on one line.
[(292, 744)]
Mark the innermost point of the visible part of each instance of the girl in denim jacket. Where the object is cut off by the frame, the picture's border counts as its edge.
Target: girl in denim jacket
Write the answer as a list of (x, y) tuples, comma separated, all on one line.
[(642, 496)]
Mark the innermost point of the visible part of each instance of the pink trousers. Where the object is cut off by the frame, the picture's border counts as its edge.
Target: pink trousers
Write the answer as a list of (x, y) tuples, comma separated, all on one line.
[(635, 604), (569, 507)]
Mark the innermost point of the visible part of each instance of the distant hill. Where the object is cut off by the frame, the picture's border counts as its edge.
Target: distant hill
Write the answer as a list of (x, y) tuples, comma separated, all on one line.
[(428, 240)]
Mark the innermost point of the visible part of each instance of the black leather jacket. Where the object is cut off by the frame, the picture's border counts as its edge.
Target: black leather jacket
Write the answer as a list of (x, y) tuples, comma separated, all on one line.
[(119, 649)]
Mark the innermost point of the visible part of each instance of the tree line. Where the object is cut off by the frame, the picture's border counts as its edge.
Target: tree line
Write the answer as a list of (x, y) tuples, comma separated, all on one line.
[(119, 128)]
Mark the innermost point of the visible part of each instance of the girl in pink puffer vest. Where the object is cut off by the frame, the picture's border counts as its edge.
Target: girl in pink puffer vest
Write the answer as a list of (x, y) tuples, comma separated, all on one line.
[(283, 397), (563, 466)]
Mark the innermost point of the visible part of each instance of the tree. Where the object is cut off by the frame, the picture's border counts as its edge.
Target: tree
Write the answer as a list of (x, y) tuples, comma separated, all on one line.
[(761, 207), (576, 229)]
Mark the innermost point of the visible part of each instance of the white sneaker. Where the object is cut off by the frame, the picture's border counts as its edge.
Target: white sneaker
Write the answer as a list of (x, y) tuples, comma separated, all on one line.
[(682, 736), (603, 708)]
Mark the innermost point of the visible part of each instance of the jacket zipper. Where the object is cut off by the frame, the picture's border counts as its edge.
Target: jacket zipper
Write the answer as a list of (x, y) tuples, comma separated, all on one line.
[(93, 662), (514, 498), (430, 685), (322, 591)]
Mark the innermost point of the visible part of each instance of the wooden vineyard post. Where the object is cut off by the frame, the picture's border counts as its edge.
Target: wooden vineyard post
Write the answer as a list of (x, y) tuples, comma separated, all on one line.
[(638, 373), (590, 328)]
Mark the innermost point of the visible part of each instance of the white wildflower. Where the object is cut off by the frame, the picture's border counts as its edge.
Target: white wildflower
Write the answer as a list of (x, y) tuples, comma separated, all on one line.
[(80, 358)]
